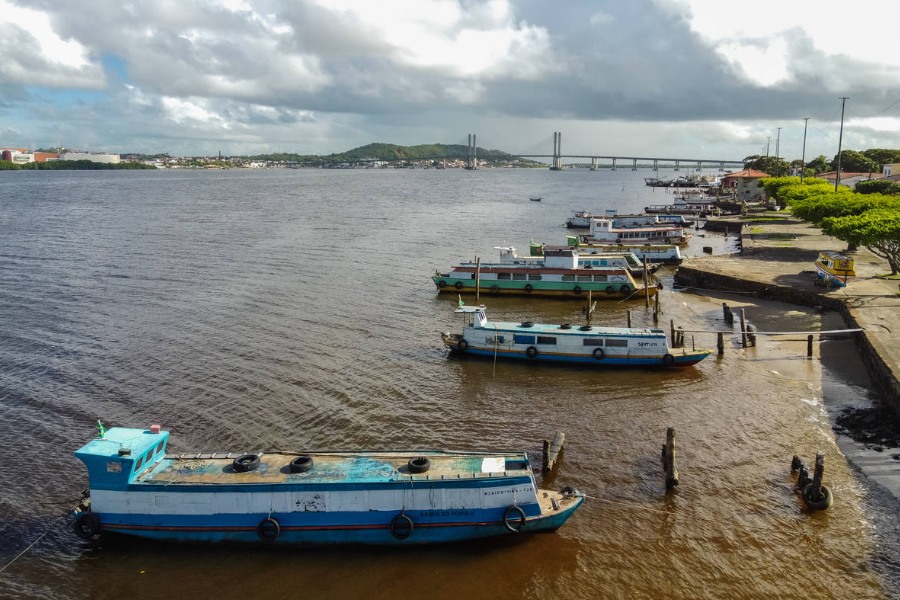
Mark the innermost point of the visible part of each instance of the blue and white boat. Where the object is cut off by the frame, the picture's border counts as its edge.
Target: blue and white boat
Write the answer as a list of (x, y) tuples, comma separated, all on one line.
[(585, 345), (310, 498)]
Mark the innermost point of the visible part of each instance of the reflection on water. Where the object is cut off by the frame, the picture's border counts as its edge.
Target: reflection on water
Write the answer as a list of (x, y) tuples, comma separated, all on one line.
[(293, 309)]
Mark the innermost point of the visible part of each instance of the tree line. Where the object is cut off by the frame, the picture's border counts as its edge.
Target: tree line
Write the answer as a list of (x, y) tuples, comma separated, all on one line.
[(852, 161)]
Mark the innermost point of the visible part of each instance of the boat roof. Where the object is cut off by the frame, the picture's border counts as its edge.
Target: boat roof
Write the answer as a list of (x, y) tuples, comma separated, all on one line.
[(568, 329)]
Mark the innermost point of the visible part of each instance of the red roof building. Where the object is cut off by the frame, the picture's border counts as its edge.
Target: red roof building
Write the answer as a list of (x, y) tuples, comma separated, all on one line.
[(746, 185)]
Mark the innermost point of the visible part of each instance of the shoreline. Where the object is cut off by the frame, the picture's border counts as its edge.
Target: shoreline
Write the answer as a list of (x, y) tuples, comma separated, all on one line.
[(775, 262)]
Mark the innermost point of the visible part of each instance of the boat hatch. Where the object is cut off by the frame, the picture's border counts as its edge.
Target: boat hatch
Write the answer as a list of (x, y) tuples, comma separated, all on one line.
[(518, 464), (523, 339)]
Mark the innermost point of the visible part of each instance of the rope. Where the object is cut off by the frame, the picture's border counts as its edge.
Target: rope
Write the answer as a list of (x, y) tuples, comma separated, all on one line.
[(24, 551)]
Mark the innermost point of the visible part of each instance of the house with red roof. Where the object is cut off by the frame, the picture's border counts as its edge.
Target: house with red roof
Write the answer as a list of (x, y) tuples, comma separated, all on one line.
[(745, 185)]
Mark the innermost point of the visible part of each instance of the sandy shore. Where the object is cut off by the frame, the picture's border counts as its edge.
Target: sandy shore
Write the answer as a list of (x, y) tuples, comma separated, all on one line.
[(776, 262)]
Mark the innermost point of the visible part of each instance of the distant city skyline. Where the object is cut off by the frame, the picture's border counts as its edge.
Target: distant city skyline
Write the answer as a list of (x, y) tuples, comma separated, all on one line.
[(679, 78)]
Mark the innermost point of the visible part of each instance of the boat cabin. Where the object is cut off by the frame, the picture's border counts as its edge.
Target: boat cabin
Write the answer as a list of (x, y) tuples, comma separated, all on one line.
[(118, 456)]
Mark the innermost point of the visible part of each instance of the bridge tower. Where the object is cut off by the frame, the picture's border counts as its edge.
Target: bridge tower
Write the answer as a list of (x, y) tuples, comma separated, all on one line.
[(556, 164), (472, 157)]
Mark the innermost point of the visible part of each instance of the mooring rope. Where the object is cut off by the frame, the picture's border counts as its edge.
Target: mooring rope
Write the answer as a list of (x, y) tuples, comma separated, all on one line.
[(24, 551)]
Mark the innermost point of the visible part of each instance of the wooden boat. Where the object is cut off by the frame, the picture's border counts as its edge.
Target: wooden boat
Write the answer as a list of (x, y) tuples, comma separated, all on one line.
[(535, 199), (698, 204), (833, 268), (580, 220), (593, 258), (669, 254), (604, 230), (310, 498), (560, 273), (564, 343)]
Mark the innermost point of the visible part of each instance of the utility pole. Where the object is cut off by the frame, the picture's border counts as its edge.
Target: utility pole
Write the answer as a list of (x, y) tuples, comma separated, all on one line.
[(837, 175), (777, 153), (803, 156)]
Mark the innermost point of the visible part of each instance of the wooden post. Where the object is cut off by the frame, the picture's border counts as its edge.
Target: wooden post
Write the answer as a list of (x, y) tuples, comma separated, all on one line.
[(646, 288), (628, 312), (668, 459), (727, 314), (818, 473), (656, 308), (672, 330), (743, 330), (720, 343), (552, 451), (809, 345), (477, 279)]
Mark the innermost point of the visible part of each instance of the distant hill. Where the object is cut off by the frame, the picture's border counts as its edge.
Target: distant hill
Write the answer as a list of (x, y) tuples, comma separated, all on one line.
[(393, 152)]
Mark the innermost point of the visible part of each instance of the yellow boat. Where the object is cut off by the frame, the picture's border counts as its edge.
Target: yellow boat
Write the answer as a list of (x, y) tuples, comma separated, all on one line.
[(834, 268)]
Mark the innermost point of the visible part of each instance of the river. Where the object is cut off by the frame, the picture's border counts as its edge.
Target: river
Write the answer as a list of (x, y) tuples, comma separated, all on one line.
[(245, 309)]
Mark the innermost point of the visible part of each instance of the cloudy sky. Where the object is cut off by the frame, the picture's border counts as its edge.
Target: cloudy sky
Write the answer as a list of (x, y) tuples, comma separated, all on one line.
[(660, 78)]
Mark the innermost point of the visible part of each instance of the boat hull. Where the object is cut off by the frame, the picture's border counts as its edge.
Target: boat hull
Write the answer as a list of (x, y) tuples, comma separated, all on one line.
[(549, 289), (679, 357)]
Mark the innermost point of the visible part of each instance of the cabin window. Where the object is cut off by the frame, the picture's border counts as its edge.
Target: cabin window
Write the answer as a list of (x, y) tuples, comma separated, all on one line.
[(523, 339), (500, 339), (592, 342), (503, 277), (614, 343), (159, 446), (472, 276), (568, 278), (138, 464), (519, 276), (583, 278), (546, 340), (600, 278), (535, 277)]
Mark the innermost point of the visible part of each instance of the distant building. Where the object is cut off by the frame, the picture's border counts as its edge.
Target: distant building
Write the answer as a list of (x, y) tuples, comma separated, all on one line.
[(93, 157), (848, 178), (745, 185), (45, 156)]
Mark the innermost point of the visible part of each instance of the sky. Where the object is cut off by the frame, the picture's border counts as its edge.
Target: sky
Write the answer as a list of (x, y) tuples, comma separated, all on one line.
[(691, 79)]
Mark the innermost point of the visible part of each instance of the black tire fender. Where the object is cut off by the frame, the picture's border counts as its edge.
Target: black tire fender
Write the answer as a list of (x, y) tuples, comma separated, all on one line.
[(418, 464), (442, 284), (268, 530), (402, 526), (302, 464), (610, 289), (462, 345), (528, 287), (668, 240), (825, 500), (87, 525), (514, 519), (577, 290), (246, 462), (531, 352), (625, 289), (458, 285), (668, 360), (598, 353), (495, 290)]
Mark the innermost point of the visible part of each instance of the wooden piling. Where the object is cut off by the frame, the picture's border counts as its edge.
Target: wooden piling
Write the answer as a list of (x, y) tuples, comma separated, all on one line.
[(668, 459), (646, 287), (656, 308), (809, 345), (552, 451), (628, 312), (672, 330), (727, 314), (743, 330), (720, 343), (477, 279)]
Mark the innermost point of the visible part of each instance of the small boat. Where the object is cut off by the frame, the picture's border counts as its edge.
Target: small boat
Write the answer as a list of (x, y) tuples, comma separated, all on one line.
[(309, 498), (585, 345), (833, 268), (535, 199), (581, 220), (559, 273)]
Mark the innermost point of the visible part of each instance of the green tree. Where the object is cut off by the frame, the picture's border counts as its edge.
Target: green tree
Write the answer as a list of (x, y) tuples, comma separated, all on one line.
[(881, 156), (878, 186), (819, 164), (768, 164), (853, 161), (878, 230)]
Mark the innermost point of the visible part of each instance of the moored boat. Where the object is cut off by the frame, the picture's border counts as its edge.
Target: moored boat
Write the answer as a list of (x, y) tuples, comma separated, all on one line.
[(605, 230), (564, 343), (560, 273), (310, 498), (834, 268), (580, 220), (669, 254)]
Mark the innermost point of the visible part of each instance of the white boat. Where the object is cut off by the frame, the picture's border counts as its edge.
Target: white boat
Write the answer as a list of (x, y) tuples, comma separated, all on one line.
[(605, 231), (669, 254), (580, 220), (586, 345)]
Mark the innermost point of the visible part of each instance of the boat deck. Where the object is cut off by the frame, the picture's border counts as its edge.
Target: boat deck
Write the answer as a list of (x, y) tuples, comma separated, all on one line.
[(333, 467)]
